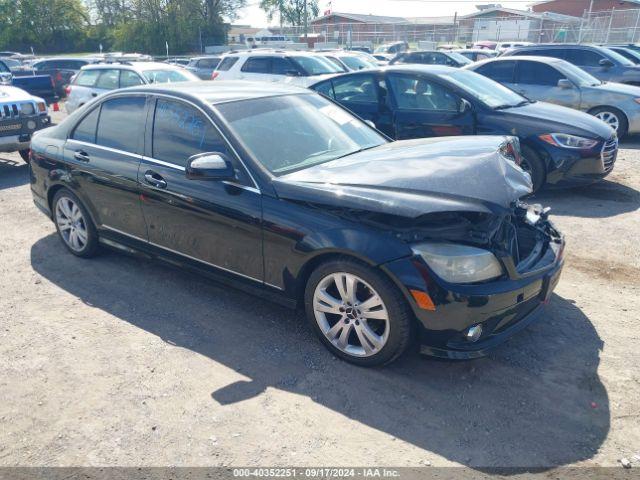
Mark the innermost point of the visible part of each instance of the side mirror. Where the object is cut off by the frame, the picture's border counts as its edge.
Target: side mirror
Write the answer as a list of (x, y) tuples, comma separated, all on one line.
[(209, 166), (565, 83), (465, 106), (606, 63)]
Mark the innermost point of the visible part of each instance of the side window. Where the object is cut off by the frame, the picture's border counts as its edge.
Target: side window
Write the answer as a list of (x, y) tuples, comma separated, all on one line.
[(499, 71), (422, 94), (282, 66), (535, 73), (85, 131), (121, 123), (180, 131), (440, 59), (129, 79), (87, 78), (227, 63), (257, 65), (583, 57), (325, 88), (108, 79), (355, 88)]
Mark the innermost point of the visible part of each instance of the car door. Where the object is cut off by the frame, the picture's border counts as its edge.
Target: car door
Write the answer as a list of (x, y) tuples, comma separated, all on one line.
[(104, 150), (539, 81), (589, 60), (359, 93), (217, 223), (423, 107)]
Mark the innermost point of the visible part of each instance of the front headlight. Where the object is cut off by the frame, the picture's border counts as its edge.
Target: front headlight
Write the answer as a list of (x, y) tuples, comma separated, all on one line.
[(459, 263), (568, 141)]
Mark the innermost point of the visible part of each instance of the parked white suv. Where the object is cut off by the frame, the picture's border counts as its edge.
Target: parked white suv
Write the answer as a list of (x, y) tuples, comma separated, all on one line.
[(296, 68), (94, 80)]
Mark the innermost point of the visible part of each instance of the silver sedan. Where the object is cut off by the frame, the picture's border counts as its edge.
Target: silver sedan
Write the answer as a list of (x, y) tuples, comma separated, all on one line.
[(557, 81)]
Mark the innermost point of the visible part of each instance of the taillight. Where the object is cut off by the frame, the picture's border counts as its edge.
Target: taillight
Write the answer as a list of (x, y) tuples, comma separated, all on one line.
[(67, 90), (214, 75)]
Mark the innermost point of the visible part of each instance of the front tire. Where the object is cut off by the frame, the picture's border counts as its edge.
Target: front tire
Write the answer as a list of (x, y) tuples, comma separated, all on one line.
[(25, 154), (614, 118), (358, 313), (74, 225), (534, 166)]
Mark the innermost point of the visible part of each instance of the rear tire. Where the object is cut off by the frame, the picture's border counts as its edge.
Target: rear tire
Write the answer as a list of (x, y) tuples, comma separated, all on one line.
[(25, 154), (366, 321), (74, 225), (534, 166), (614, 118)]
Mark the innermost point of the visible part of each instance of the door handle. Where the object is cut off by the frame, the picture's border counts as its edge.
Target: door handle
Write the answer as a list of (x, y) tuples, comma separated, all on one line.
[(152, 178), (81, 155)]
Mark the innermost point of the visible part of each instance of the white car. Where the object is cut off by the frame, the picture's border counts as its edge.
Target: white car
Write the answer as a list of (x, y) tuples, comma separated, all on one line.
[(295, 68), (94, 80)]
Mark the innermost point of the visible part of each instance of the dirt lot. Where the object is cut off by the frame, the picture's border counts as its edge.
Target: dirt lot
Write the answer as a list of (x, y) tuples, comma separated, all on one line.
[(119, 361)]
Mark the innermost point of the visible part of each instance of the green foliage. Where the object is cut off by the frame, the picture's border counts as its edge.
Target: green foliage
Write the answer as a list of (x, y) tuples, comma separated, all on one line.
[(128, 25), (291, 11)]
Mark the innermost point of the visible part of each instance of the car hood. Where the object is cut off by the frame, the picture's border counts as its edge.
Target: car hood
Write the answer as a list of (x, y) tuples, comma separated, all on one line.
[(414, 177), (546, 116), (619, 88), (13, 94)]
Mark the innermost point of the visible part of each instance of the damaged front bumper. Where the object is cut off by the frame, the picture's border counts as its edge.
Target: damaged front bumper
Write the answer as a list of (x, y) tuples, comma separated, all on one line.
[(465, 320)]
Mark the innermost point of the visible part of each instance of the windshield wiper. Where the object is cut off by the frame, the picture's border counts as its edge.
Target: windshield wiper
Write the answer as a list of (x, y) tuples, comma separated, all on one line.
[(357, 151)]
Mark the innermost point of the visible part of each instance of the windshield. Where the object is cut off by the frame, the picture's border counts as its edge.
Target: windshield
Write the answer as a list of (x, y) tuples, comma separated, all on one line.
[(619, 58), (484, 89), (316, 65), (11, 63), (357, 63), (459, 58), (293, 132), (167, 76), (578, 76)]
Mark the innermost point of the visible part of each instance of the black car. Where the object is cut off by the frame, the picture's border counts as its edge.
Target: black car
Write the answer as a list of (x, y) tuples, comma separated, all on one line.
[(281, 192), (432, 57), (560, 146)]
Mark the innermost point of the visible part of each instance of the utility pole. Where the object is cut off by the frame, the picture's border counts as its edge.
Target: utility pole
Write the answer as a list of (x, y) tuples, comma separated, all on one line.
[(305, 20)]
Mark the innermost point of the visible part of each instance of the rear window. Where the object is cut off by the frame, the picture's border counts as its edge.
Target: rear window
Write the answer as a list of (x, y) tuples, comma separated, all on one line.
[(227, 63), (87, 78)]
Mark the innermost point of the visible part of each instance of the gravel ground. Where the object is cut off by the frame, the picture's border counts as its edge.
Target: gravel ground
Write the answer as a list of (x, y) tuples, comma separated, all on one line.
[(120, 361)]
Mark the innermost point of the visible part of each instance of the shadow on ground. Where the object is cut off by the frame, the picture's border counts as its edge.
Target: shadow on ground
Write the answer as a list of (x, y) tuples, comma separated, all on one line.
[(602, 199), (13, 173), (537, 401)]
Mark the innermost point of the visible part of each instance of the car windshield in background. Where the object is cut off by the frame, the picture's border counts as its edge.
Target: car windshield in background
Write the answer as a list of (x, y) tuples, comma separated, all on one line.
[(316, 65), (292, 132), (486, 90), (11, 62), (357, 63), (578, 75), (167, 76), (459, 58)]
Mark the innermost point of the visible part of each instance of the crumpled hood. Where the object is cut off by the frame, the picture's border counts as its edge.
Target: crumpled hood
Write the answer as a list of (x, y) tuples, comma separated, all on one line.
[(414, 177)]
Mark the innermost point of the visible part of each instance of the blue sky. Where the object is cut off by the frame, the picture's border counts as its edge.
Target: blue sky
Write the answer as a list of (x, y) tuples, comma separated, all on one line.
[(252, 15)]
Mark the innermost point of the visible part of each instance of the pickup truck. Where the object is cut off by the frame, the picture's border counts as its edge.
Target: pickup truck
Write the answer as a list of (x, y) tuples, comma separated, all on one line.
[(39, 85), (21, 114)]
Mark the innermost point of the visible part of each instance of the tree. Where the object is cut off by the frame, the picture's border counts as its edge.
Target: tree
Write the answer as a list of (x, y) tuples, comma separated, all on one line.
[(291, 12)]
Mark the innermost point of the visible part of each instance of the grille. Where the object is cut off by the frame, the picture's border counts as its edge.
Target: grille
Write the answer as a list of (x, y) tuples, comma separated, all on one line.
[(9, 110), (609, 153)]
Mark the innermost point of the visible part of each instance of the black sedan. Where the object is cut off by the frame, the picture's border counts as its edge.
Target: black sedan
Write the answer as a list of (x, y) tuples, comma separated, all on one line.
[(278, 191), (560, 146)]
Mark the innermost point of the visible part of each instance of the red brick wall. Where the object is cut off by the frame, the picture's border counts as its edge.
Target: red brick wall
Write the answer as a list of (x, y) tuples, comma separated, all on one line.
[(577, 7)]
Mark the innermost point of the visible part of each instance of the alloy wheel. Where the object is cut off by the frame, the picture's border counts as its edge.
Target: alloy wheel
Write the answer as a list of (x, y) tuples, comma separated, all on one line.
[(351, 314), (72, 224), (610, 119)]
